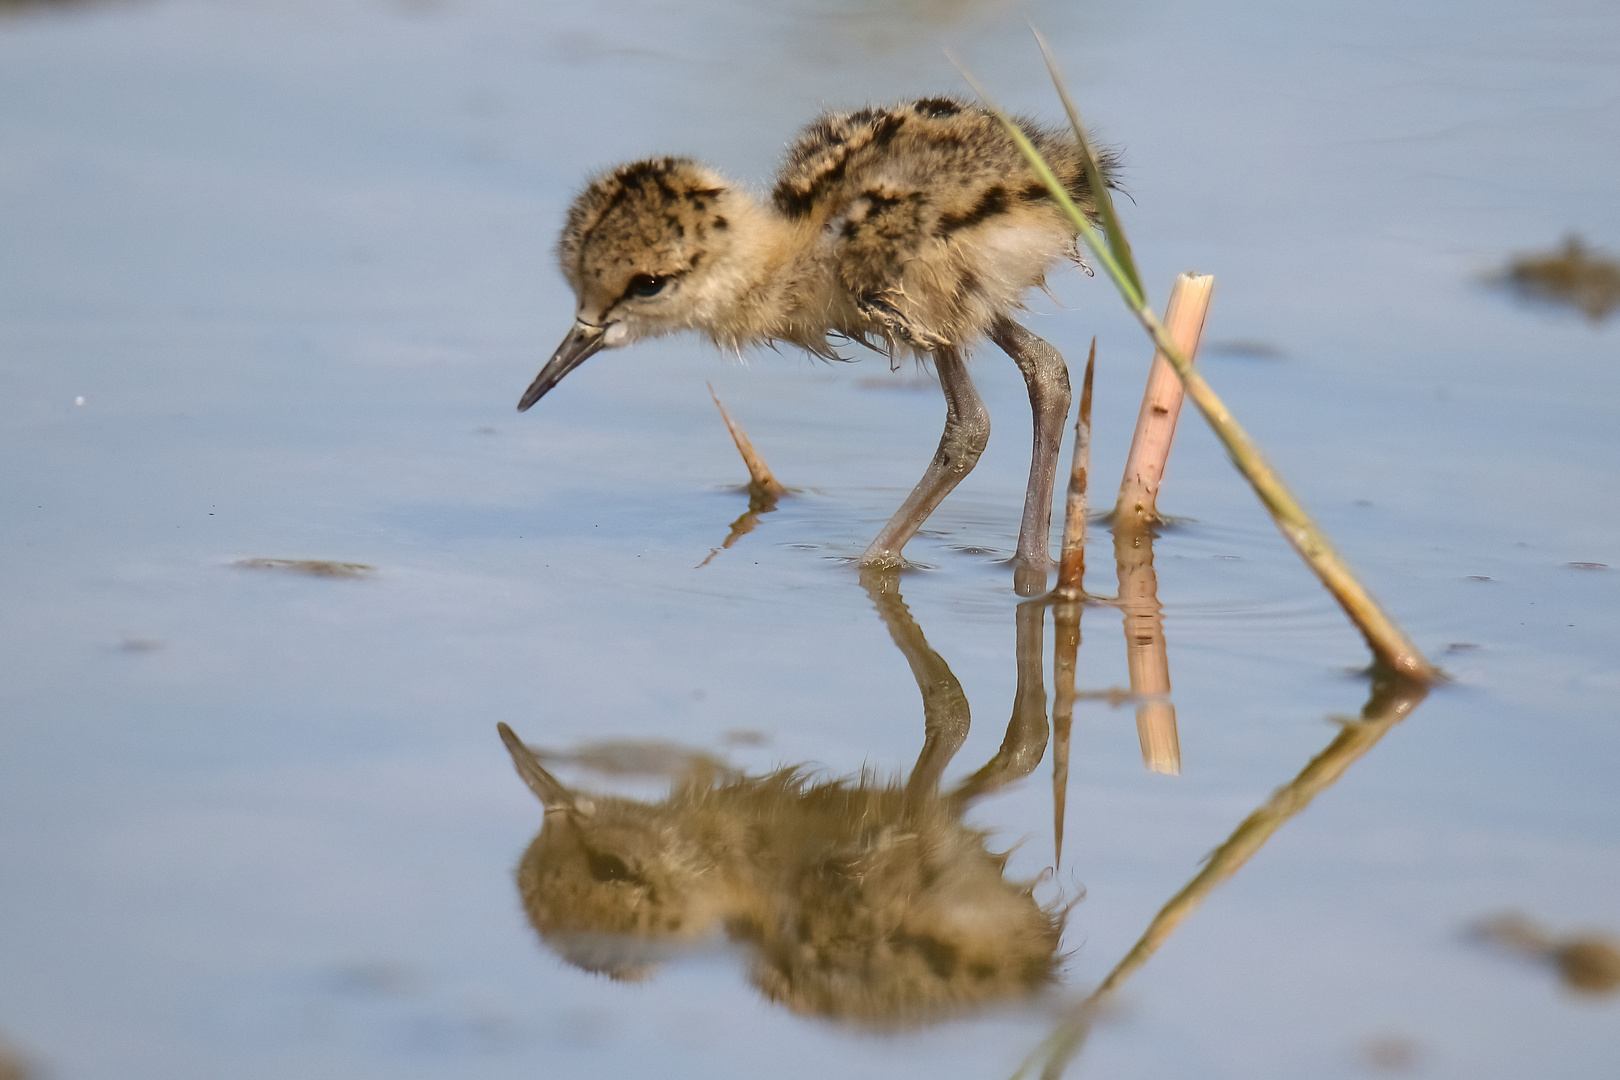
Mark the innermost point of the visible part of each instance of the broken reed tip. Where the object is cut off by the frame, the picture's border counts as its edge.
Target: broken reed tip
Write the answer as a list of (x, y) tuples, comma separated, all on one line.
[(760, 477)]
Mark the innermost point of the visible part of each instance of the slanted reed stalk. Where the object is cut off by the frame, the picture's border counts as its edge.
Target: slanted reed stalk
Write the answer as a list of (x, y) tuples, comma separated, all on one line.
[(1390, 646), (1161, 402)]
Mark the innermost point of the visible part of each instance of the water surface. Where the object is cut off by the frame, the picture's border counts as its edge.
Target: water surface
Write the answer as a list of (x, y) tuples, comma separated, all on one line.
[(272, 277)]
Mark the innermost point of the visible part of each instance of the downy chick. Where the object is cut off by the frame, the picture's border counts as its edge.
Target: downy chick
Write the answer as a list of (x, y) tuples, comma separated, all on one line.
[(913, 229)]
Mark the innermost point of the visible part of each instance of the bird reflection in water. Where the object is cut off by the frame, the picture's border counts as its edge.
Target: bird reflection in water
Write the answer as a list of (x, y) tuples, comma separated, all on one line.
[(856, 899)]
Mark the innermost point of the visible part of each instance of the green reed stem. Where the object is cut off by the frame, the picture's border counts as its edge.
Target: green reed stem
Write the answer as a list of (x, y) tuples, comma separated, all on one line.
[(1389, 644)]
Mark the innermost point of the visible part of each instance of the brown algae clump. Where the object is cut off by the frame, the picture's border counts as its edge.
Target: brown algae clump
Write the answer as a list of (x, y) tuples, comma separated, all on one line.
[(313, 567), (1575, 276), (1587, 963)]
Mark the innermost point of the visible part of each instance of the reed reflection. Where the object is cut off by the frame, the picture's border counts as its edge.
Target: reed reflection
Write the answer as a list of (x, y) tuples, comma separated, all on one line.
[(1147, 659), (853, 898), (1392, 699), (1147, 655)]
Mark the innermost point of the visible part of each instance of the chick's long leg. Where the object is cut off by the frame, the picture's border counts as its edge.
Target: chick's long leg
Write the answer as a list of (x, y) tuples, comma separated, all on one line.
[(967, 431), (1047, 377)]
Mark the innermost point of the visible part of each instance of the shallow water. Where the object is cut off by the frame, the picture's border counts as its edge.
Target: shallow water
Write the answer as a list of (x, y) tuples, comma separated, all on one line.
[(272, 277)]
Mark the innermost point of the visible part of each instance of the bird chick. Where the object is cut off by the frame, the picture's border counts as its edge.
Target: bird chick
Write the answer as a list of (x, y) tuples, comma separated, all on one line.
[(916, 229)]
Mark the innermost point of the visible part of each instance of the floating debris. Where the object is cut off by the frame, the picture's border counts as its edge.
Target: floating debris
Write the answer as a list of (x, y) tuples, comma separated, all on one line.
[(7, 6), (1587, 962), (313, 567), (139, 645), (1391, 1053), (12, 1066), (374, 978), (1249, 348), (1575, 276), (1589, 565)]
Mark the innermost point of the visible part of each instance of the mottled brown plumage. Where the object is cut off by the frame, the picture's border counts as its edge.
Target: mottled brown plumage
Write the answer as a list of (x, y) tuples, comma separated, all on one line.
[(854, 899), (916, 228)]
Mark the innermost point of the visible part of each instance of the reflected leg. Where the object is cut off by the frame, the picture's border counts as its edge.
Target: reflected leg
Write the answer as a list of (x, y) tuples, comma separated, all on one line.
[(1047, 377), (967, 431), (945, 706), (1025, 742)]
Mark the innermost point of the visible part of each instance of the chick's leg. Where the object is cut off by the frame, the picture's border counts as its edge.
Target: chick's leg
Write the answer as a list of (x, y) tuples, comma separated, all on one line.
[(967, 431), (1047, 377)]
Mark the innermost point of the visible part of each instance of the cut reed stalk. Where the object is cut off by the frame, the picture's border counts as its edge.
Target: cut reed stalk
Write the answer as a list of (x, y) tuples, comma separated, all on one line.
[(1072, 560), (1389, 644), (1161, 402)]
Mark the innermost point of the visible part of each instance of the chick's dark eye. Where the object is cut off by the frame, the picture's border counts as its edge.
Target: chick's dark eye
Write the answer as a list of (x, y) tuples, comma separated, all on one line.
[(606, 867), (644, 285)]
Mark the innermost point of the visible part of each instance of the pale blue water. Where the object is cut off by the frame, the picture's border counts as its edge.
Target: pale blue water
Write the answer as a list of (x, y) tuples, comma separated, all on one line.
[(294, 257)]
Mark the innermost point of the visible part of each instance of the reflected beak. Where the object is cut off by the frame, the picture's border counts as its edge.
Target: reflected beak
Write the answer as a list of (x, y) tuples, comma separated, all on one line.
[(547, 788), (580, 345)]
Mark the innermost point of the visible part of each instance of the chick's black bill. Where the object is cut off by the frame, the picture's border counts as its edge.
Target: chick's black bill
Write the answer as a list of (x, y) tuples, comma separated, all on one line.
[(581, 344)]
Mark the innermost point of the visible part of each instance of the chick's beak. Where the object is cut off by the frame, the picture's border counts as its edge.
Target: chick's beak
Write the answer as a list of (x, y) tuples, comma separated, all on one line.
[(582, 342)]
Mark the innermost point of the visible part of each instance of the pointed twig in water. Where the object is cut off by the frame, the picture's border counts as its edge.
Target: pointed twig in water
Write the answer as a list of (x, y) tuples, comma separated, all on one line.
[(763, 487), (760, 480), (1392, 648), (1161, 402), (1072, 562), (1392, 700)]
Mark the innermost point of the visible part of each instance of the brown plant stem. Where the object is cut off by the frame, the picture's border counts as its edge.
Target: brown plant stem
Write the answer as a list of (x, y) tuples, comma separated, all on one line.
[(1072, 560)]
